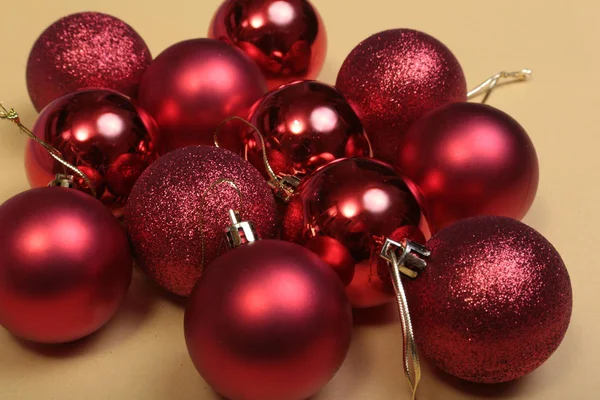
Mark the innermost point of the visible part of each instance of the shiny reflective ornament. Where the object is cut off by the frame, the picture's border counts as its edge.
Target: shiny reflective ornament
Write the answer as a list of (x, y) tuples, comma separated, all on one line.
[(177, 211), (192, 86), (494, 301), (268, 321), (357, 202), (65, 265), (304, 124), (393, 78), (286, 38), (85, 50), (470, 159), (101, 132)]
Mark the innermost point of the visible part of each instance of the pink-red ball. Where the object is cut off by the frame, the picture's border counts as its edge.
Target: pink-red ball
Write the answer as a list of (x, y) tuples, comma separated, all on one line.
[(470, 159), (268, 321), (65, 265), (85, 50), (494, 301), (104, 134), (192, 86), (286, 38), (393, 78), (175, 220)]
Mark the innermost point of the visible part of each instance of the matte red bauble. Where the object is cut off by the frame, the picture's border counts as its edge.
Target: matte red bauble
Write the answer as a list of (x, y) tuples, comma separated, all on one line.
[(494, 301), (286, 38), (177, 212), (393, 78), (357, 202), (268, 321), (103, 133), (65, 265), (305, 124), (470, 159), (85, 50), (192, 86)]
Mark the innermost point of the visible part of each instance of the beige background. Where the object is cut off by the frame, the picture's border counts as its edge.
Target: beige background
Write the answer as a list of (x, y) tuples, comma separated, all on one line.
[(141, 354)]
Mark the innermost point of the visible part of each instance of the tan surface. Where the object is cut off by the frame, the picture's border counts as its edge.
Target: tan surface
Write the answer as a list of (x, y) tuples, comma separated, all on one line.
[(141, 354)]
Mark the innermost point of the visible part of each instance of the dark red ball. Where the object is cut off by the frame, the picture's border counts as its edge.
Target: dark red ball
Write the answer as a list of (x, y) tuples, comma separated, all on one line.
[(85, 50), (65, 265), (104, 134), (393, 78), (192, 86), (305, 124), (175, 220), (287, 39), (470, 159), (357, 202), (494, 301), (268, 321)]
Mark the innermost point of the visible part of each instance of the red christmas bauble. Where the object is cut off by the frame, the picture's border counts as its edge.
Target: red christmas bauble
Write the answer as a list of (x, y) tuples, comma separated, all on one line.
[(65, 265), (470, 159), (286, 38), (103, 133), (393, 78), (494, 301), (85, 50), (172, 217), (358, 202), (192, 86), (305, 124), (268, 321)]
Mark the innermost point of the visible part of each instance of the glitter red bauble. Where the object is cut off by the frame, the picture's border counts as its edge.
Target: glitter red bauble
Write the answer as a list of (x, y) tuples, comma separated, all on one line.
[(394, 77), (65, 265), (268, 321), (470, 159), (192, 86), (171, 216), (305, 124), (103, 133), (358, 202), (494, 301), (85, 50), (286, 38)]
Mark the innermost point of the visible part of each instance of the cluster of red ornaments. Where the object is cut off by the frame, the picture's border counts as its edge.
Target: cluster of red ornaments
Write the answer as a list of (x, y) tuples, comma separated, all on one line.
[(394, 150)]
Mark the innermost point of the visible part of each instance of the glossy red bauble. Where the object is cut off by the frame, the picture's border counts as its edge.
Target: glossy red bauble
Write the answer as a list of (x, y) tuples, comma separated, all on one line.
[(85, 50), (65, 265), (286, 38), (393, 78), (192, 86), (470, 159), (268, 321), (305, 124), (178, 210), (101, 132), (494, 301), (358, 202)]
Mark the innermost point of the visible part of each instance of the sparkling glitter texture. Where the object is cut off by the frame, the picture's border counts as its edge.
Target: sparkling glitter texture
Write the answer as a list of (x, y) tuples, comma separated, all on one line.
[(394, 77), (85, 50), (166, 214), (494, 301)]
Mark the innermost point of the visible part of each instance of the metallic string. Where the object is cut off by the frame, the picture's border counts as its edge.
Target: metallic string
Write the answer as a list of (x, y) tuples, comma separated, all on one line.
[(11, 115), (221, 181), (274, 179), (486, 87), (410, 353)]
